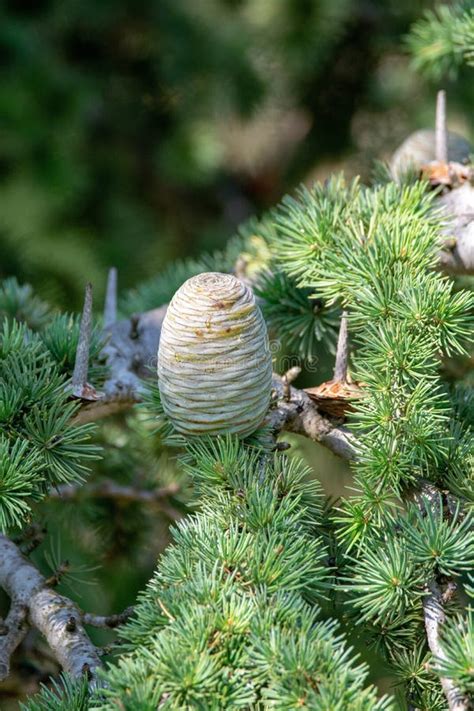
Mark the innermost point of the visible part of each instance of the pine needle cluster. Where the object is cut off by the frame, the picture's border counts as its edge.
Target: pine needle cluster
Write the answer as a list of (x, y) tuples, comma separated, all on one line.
[(443, 40), (299, 321), (39, 446), (64, 694), (230, 618), (17, 301), (373, 251)]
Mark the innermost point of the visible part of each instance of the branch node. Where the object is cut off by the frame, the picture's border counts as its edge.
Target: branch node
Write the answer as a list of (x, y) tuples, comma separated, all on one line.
[(287, 379), (86, 670), (134, 321), (71, 624)]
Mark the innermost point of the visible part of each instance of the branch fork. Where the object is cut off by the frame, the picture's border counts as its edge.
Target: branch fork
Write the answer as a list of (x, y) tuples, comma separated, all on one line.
[(34, 604)]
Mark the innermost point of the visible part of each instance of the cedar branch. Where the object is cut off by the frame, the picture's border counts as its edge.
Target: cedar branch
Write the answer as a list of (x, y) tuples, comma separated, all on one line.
[(48, 611)]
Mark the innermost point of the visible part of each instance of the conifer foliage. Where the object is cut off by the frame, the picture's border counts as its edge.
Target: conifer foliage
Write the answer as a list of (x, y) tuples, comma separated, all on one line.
[(241, 610), (443, 40), (232, 618), (39, 446), (372, 251)]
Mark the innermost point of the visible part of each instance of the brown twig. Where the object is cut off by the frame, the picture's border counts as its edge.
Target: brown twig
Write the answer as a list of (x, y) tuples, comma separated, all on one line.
[(108, 621), (287, 378), (111, 490), (81, 364), (300, 415)]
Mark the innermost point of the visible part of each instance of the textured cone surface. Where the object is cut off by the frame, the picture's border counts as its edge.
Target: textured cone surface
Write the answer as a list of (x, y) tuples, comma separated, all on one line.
[(420, 148), (214, 363)]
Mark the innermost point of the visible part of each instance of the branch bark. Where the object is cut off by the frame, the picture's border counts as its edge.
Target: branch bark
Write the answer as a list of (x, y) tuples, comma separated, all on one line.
[(54, 615), (296, 412), (458, 205), (428, 497), (12, 633), (435, 617)]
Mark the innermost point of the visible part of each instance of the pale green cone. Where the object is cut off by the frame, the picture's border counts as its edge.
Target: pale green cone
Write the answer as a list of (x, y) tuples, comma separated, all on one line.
[(214, 362)]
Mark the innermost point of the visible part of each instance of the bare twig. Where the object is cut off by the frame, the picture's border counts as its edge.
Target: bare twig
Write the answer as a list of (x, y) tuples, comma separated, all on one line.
[(48, 611), (110, 307), (81, 365), (428, 497), (441, 150), (342, 352), (110, 621), (30, 538), (287, 378), (131, 356), (111, 490), (435, 617)]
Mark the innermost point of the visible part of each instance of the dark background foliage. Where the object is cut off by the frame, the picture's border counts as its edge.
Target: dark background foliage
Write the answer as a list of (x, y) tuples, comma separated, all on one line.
[(136, 132)]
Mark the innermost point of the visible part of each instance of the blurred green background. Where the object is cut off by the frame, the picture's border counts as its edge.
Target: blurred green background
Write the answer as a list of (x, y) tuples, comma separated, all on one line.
[(136, 132)]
